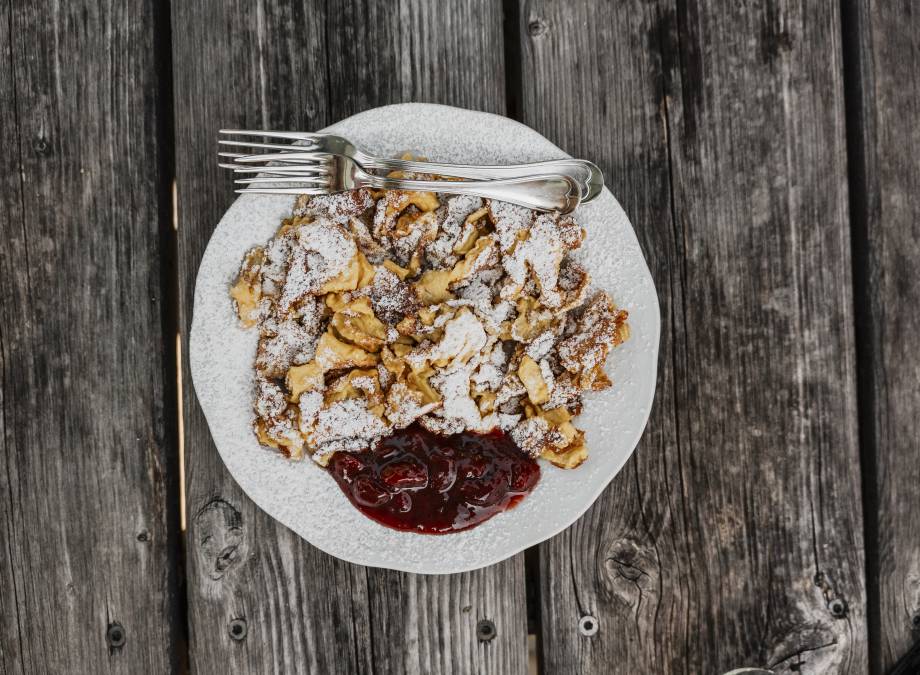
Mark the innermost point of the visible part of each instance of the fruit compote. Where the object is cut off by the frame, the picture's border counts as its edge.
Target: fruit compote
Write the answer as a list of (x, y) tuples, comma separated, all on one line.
[(421, 482)]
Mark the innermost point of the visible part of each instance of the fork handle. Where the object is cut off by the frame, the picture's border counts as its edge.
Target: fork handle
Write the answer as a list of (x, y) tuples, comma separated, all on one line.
[(582, 171), (545, 192)]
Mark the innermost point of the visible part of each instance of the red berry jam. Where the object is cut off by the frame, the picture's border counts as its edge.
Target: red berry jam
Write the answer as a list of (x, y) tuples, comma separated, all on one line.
[(418, 481)]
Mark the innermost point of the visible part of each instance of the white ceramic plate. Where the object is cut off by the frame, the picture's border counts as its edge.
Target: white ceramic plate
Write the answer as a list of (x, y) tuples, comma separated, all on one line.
[(302, 495)]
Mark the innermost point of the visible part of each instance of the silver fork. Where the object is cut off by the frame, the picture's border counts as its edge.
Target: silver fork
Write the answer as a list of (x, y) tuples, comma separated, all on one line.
[(327, 174), (585, 173)]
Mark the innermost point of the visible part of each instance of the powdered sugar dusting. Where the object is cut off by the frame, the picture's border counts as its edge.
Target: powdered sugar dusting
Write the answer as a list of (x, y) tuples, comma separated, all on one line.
[(347, 425), (541, 345), (463, 337), (339, 208), (324, 253), (511, 221)]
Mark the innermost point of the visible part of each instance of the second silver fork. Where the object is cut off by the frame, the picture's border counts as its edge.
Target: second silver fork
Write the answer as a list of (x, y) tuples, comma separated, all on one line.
[(327, 174)]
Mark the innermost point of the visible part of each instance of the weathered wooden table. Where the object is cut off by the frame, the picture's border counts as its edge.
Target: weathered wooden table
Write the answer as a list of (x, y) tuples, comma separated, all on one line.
[(766, 153)]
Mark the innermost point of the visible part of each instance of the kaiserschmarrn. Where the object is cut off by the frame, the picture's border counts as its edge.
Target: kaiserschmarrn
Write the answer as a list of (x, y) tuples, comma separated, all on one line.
[(379, 309)]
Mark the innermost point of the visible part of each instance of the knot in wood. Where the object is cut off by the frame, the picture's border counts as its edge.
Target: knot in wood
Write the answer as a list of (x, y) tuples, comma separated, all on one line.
[(40, 145), (219, 533), (485, 630), (806, 638), (628, 560), (632, 570), (143, 536)]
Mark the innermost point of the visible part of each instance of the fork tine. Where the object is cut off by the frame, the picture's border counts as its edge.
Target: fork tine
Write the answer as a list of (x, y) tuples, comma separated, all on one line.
[(304, 171), (286, 161), (284, 168), (283, 191), (270, 146), (296, 135), (283, 157), (280, 174), (312, 180)]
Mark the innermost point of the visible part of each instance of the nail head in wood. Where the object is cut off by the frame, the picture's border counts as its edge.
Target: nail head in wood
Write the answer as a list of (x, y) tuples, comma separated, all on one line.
[(115, 635), (143, 536), (238, 629), (838, 608), (485, 630), (587, 625)]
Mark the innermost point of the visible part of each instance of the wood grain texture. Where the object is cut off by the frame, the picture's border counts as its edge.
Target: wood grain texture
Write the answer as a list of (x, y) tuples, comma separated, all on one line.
[(303, 65), (734, 535), (884, 82), (88, 486)]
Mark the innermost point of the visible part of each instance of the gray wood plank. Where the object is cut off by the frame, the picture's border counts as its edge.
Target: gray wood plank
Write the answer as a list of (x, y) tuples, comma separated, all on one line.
[(884, 83), (295, 65), (734, 535), (252, 65), (88, 486)]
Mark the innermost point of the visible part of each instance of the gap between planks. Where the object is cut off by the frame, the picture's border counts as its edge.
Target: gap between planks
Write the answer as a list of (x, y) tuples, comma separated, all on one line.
[(169, 280), (852, 25)]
